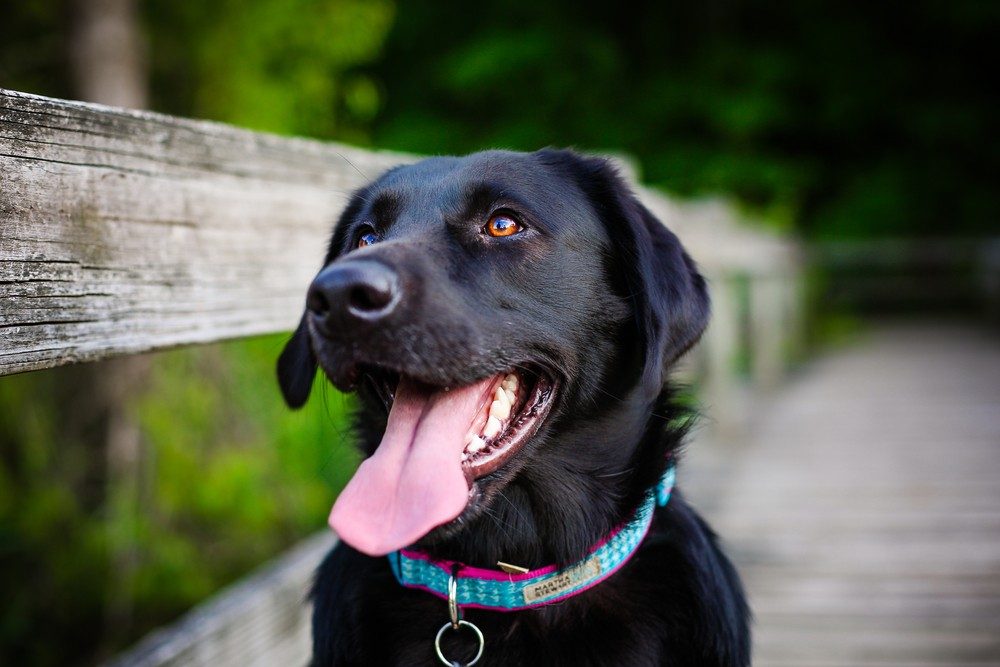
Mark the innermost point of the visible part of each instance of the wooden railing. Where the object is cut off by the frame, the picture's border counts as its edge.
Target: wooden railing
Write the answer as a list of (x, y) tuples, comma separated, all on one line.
[(125, 231), (911, 274)]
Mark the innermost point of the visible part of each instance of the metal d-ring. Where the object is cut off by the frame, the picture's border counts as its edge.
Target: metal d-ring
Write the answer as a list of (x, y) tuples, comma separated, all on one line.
[(453, 610), (456, 623), (447, 626)]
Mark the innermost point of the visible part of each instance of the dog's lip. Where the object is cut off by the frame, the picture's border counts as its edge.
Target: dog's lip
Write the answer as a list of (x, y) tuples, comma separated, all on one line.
[(382, 378), (534, 409)]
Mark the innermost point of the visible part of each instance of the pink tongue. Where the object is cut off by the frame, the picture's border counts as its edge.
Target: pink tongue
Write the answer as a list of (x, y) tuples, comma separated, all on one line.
[(414, 480)]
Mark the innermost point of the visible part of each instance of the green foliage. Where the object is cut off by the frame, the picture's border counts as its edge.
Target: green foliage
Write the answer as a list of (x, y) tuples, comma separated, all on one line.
[(842, 119), (287, 66), (45, 537), (33, 37), (230, 477)]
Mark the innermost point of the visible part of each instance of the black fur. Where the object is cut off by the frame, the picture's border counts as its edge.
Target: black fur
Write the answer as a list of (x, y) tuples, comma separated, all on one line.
[(603, 297)]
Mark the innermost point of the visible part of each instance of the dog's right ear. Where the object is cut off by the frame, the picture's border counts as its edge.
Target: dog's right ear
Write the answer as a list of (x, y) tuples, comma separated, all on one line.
[(297, 367)]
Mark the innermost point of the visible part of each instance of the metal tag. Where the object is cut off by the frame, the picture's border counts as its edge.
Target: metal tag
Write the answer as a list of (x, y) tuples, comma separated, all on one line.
[(564, 581), (511, 569)]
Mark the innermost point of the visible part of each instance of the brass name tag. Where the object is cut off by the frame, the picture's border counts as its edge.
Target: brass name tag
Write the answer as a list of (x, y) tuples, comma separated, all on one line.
[(563, 582)]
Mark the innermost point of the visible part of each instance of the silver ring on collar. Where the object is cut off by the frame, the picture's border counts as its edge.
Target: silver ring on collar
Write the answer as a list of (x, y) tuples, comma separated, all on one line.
[(448, 626)]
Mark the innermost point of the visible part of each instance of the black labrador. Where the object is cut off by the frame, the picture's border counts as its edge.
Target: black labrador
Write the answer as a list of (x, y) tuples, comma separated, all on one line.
[(508, 321)]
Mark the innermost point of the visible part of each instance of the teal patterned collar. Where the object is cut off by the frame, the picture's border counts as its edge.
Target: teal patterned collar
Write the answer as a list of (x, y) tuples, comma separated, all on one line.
[(499, 590)]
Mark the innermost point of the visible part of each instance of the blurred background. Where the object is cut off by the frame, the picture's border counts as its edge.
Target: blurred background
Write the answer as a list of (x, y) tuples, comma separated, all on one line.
[(865, 131)]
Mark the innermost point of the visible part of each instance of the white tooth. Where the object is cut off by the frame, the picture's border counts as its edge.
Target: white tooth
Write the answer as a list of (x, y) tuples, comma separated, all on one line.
[(510, 395), (509, 382), (500, 408), (492, 427), (475, 444), (499, 394)]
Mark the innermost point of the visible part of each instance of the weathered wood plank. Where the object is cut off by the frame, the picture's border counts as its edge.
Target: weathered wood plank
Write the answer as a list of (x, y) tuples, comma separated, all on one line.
[(124, 231)]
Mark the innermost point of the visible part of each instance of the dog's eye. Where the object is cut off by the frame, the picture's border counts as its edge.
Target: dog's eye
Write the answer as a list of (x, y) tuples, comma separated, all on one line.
[(367, 239), (502, 224)]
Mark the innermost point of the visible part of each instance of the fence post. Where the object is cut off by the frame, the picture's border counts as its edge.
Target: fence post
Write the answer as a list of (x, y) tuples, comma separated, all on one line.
[(722, 344), (768, 328)]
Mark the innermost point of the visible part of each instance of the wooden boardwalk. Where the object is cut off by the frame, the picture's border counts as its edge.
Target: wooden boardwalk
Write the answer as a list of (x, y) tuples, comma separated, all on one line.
[(864, 507)]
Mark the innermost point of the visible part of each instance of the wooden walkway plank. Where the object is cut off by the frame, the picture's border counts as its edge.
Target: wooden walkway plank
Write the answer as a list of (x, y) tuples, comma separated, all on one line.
[(864, 507)]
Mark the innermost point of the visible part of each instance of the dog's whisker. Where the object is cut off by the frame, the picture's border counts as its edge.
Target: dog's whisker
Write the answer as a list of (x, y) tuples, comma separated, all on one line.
[(488, 512), (620, 473), (353, 166), (514, 507)]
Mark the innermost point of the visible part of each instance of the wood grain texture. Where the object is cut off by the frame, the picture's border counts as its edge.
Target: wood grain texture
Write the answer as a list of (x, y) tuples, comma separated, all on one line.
[(125, 231)]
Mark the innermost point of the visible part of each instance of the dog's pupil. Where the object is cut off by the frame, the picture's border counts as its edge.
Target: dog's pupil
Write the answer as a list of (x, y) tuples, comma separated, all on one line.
[(502, 226)]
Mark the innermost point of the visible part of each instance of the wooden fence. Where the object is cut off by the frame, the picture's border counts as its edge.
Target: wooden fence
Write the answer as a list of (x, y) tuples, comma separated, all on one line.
[(920, 274), (125, 231)]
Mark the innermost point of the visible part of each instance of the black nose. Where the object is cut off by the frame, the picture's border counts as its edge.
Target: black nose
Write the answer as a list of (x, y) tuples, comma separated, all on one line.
[(358, 290)]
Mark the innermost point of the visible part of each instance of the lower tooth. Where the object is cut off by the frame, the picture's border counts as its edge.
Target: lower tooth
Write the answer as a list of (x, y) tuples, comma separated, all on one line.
[(475, 444), (500, 408), (492, 427)]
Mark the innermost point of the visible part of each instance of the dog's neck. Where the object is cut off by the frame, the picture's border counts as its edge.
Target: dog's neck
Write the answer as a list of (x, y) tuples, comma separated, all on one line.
[(512, 588), (552, 514)]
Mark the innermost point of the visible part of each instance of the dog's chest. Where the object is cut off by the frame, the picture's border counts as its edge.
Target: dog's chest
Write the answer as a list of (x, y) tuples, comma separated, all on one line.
[(403, 633)]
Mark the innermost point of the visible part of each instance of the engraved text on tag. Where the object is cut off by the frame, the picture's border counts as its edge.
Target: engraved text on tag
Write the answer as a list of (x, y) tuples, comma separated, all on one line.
[(564, 581)]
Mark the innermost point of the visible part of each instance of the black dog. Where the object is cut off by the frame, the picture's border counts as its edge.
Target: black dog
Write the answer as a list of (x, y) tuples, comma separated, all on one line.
[(540, 279)]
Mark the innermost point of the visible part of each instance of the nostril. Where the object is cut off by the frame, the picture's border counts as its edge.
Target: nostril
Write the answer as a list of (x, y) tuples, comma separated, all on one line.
[(352, 290), (317, 302), (369, 298)]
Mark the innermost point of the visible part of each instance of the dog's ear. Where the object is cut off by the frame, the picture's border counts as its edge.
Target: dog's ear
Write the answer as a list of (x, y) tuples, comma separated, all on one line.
[(669, 296), (672, 296), (297, 367), (297, 362)]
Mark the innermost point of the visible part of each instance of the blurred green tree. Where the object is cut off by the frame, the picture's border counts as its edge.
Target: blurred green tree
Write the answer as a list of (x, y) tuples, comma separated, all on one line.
[(285, 66), (841, 119)]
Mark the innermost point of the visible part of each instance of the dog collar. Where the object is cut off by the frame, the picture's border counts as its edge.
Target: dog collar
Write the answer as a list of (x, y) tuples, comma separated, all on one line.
[(497, 590)]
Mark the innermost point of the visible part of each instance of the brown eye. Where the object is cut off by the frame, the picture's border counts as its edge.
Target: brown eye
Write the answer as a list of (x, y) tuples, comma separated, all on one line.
[(367, 239), (501, 224)]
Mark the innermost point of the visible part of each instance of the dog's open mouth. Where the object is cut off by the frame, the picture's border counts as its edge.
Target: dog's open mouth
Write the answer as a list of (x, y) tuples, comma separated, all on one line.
[(438, 442), (509, 416)]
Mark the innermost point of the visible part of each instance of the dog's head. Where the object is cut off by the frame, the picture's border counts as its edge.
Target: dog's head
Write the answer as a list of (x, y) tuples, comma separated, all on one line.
[(507, 320)]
